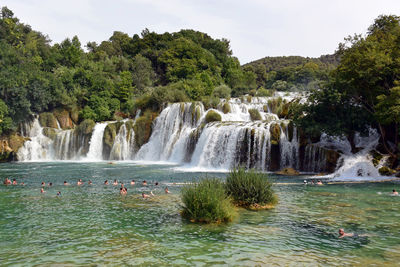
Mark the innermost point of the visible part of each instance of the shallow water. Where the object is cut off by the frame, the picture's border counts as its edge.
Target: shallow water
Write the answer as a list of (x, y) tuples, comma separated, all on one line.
[(91, 225)]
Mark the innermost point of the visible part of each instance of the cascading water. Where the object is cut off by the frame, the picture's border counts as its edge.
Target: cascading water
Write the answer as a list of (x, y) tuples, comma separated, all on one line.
[(96, 143), (39, 147)]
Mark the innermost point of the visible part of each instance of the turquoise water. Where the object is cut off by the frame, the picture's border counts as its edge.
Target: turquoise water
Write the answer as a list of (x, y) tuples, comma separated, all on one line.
[(90, 225)]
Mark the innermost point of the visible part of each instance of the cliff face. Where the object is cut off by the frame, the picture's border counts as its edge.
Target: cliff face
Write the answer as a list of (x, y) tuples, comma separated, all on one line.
[(9, 146)]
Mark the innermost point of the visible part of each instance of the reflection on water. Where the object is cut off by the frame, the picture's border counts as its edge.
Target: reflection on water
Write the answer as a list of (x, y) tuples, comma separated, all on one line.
[(95, 225)]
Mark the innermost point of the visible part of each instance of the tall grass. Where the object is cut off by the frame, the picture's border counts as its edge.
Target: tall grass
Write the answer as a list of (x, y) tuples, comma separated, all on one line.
[(207, 202), (250, 188)]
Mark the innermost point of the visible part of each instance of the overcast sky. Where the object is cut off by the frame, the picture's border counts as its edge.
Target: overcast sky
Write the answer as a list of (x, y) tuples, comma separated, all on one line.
[(256, 28)]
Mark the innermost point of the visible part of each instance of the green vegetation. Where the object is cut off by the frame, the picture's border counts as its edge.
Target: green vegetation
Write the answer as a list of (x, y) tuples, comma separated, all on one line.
[(363, 91), (255, 114), (112, 79), (250, 189), (226, 108), (207, 202), (291, 73), (212, 116)]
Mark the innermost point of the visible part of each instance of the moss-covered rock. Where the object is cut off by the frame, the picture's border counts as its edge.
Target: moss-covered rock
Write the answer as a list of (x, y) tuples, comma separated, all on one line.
[(249, 98), (274, 104), (47, 119), (16, 141), (283, 109), (254, 114), (9, 147), (265, 108), (212, 116), (290, 129), (226, 108), (74, 114), (275, 131), (332, 158), (376, 157), (108, 139), (50, 133), (64, 118), (288, 171), (85, 127), (386, 171), (143, 128)]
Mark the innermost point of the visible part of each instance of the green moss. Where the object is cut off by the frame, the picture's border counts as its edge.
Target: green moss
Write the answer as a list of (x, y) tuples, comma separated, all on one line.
[(376, 157), (274, 104), (275, 131), (74, 114), (109, 136), (50, 133), (265, 108), (143, 128), (47, 119), (386, 171), (290, 128), (226, 108), (212, 116), (248, 98), (16, 142), (254, 114), (86, 127)]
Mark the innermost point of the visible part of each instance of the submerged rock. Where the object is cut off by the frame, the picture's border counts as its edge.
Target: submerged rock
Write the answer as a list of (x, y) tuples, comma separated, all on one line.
[(288, 171)]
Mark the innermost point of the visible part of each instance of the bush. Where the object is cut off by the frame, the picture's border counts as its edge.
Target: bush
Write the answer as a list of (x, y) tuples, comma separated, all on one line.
[(210, 101), (262, 92), (212, 116), (226, 108), (207, 202), (143, 127), (222, 91), (250, 189), (255, 114)]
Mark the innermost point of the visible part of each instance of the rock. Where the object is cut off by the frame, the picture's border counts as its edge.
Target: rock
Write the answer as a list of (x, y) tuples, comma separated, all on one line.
[(376, 157), (9, 147), (386, 171), (85, 127), (212, 116), (47, 119), (108, 139), (332, 158), (143, 128), (275, 131), (288, 171), (64, 119), (50, 133), (254, 114)]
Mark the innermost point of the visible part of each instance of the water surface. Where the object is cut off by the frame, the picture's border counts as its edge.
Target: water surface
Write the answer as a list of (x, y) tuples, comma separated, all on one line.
[(91, 225)]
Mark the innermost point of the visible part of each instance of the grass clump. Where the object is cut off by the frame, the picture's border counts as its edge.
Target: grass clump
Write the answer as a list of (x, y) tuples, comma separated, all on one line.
[(226, 108), (250, 189), (207, 202), (255, 114), (212, 116)]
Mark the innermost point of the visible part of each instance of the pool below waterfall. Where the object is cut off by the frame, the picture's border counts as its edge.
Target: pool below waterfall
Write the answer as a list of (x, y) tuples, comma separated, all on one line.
[(93, 224)]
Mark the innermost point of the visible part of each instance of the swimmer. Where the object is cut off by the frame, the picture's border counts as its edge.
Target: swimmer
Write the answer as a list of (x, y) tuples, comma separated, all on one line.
[(50, 184), (59, 194), (395, 193), (115, 182), (7, 181), (65, 183), (166, 190), (305, 182), (313, 181), (133, 182), (145, 195), (42, 190), (14, 182), (144, 183), (123, 191), (90, 182), (156, 183), (79, 182), (22, 184), (319, 182), (122, 185), (106, 182), (343, 234), (43, 184)]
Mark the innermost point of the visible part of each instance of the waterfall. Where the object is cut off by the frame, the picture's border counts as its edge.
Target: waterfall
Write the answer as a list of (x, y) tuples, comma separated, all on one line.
[(39, 147), (121, 146), (96, 143)]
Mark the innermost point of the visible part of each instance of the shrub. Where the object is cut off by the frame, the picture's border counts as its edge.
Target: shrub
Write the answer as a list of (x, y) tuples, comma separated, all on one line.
[(262, 92), (207, 202), (226, 108), (142, 127), (212, 116), (222, 91), (250, 189), (255, 114), (47, 119)]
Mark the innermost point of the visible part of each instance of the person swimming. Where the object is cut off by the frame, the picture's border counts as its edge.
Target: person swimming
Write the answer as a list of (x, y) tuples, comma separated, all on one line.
[(50, 184), (395, 193), (106, 182), (144, 183), (305, 182), (14, 182), (42, 190), (146, 195), (115, 182), (59, 194), (343, 234), (22, 183), (166, 190), (319, 182), (90, 182), (43, 184), (79, 182), (7, 181), (123, 191), (156, 183), (133, 182), (65, 183)]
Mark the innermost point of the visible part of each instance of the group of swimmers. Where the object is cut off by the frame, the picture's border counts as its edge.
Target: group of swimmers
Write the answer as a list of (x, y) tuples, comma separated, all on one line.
[(123, 190), (319, 182)]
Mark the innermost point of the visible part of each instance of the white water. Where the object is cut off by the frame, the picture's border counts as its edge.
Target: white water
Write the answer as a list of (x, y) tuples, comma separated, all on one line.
[(96, 143)]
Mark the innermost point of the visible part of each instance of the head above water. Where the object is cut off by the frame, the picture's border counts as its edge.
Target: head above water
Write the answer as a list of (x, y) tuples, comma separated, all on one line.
[(341, 231)]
